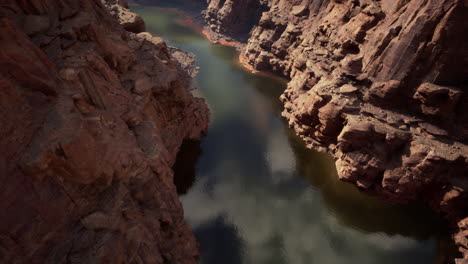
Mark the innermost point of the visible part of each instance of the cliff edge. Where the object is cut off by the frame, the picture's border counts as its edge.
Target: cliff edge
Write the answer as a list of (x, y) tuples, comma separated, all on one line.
[(92, 118)]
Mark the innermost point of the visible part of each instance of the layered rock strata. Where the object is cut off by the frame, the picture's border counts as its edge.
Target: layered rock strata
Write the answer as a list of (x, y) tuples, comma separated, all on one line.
[(382, 86), (92, 119), (232, 18)]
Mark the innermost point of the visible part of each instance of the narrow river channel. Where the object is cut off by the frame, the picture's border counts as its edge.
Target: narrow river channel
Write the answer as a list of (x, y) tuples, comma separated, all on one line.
[(255, 194)]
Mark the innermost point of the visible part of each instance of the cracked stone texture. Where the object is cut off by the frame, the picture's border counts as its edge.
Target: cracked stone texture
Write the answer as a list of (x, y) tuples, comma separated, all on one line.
[(92, 120), (233, 18), (381, 85)]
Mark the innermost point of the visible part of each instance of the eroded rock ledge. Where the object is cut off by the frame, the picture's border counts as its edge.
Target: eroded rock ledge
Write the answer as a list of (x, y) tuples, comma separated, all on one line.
[(233, 18), (92, 119), (381, 85)]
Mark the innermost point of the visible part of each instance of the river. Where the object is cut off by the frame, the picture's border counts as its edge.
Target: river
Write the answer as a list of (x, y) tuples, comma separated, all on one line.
[(251, 191)]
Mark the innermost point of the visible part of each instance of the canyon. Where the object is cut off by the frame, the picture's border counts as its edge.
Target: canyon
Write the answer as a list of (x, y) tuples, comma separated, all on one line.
[(94, 112), (380, 85)]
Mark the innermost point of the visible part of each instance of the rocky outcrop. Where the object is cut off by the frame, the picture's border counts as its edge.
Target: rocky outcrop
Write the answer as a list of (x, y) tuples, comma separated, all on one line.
[(130, 21), (92, 119), (232, 18), (381, 85)]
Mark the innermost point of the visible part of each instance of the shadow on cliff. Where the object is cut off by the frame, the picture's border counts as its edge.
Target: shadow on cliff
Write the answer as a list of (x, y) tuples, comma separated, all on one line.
[(185, 166)]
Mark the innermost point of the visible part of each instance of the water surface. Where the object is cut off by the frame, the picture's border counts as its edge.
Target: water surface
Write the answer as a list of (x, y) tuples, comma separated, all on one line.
[(253, 193)]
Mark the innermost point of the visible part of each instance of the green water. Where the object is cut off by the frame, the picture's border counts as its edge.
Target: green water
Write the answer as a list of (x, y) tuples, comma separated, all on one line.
[(258, 196)]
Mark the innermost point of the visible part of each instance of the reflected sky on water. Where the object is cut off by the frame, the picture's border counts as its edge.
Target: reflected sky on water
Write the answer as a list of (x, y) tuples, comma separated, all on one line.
[(253, 193)]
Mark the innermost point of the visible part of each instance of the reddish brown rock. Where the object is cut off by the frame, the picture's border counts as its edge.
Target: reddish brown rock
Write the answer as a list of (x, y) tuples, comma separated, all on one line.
[(129, 20), (92, 119), (440, 101), (381, 85), (233, 18)]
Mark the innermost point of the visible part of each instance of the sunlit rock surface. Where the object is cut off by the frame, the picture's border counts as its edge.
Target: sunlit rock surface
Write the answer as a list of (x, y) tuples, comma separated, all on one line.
[(379, 84)]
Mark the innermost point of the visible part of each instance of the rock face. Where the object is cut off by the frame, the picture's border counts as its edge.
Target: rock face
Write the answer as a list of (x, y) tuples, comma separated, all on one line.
[(92, 119), (129, 20), (381, 85), (233, 18)]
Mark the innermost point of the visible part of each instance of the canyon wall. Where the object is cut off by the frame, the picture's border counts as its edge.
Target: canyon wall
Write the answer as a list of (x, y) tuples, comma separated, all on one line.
[(92, 119), (233, 18), (381, 85)]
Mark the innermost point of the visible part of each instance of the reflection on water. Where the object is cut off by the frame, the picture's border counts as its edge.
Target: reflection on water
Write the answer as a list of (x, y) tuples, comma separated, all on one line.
[(259, 196)]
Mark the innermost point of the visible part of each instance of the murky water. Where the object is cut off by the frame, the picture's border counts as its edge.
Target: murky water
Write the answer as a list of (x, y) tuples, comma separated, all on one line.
[(253, 194)]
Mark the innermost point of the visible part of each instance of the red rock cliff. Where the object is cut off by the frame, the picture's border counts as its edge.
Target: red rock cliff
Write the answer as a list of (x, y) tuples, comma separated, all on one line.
[(234, 18), (381, 85), (92, 118)]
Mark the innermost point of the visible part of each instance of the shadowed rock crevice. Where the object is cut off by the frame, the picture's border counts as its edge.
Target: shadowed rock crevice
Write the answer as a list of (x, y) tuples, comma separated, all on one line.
[(184, 168)]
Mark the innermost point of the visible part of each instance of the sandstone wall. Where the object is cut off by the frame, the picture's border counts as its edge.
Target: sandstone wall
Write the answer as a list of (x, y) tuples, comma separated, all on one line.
[(234, 18), (92, 117), (381, 85)]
